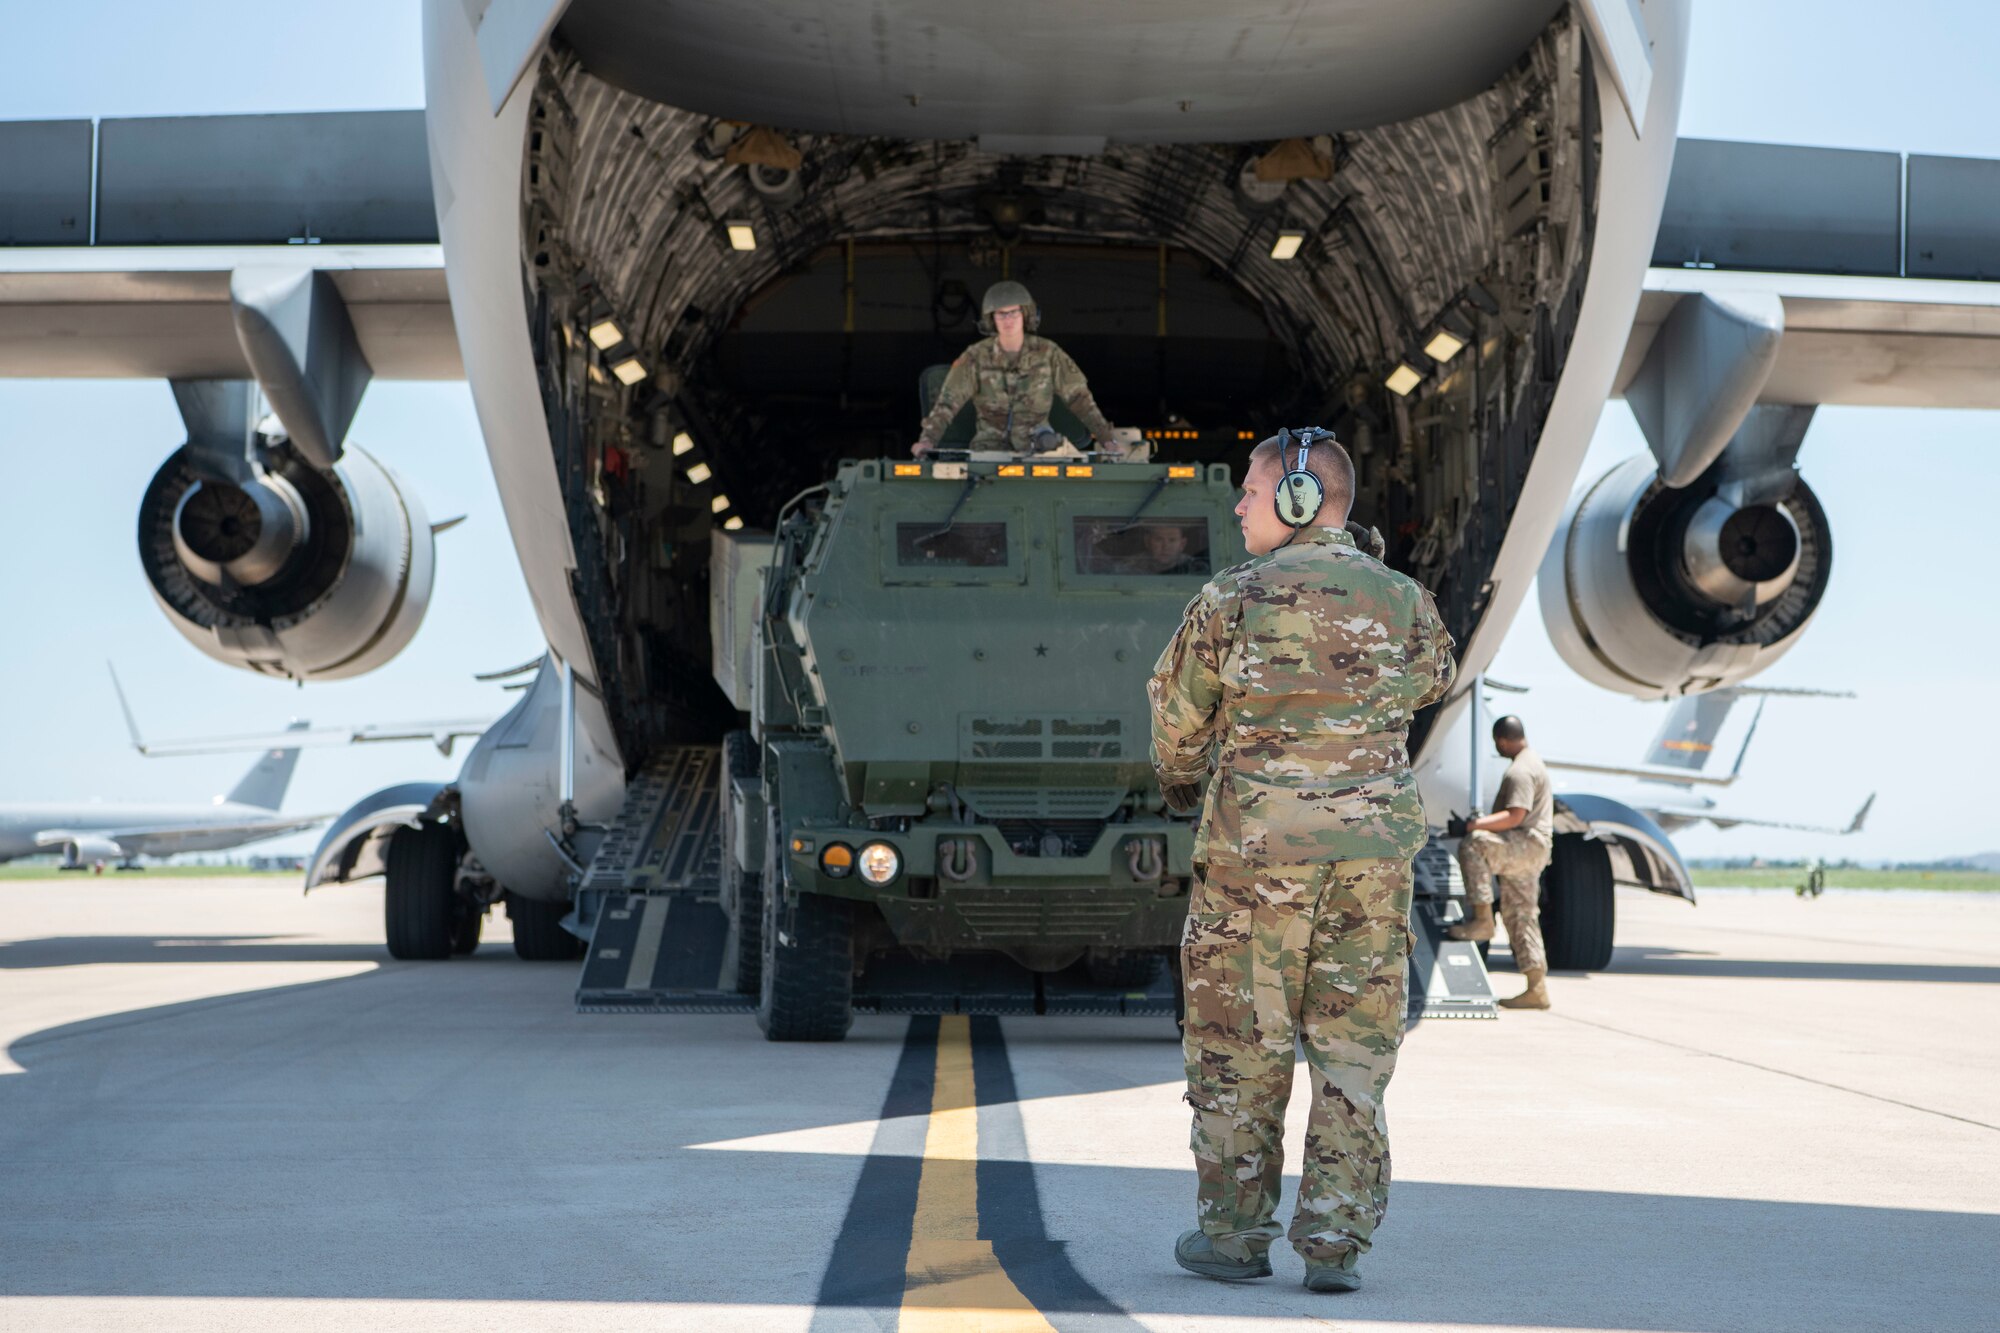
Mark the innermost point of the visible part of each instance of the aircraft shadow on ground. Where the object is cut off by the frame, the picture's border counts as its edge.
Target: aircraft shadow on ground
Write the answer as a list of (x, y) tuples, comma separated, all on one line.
[(1673, 963), (81, 950)]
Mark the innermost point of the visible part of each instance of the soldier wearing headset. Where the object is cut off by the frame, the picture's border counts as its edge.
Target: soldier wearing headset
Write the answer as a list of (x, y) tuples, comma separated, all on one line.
[(1290, 688), (1012, 377)]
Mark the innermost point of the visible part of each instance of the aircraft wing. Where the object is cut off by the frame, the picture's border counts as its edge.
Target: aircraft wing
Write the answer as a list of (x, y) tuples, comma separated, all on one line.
[(1724, 820), (168, 839), (442, 734)]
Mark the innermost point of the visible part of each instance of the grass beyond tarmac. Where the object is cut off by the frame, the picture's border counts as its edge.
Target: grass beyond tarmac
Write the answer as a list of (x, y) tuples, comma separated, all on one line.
[(1849, 877), (44, 870)]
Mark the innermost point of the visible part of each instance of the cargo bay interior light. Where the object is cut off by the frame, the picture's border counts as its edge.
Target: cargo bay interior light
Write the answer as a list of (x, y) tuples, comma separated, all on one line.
[(605, 334), (1443, 346), (683, 444), (698, 473), (1287, 245), (718, 504), (629, 371), (732, 524), (742, 236), (1403, 379)]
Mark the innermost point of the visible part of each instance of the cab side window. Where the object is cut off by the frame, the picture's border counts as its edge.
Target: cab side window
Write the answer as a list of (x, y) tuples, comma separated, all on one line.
[(962, 546), (1156, 546)]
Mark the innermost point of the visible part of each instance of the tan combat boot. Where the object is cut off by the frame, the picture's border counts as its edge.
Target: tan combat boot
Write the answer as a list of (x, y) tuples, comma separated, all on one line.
[(1535, 997), (1478, 926)]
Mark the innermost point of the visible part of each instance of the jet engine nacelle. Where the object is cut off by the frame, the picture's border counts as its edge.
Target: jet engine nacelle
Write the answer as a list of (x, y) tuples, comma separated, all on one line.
[(291, 570), (85, 848), (1654, 591)]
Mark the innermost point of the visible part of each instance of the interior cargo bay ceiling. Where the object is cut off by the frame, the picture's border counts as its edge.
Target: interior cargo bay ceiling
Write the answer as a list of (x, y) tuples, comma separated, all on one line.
[(954, 69)]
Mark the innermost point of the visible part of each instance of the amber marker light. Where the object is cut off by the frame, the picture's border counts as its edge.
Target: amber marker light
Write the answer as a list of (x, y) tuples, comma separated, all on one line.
[(1181, 472), (1403, 379), (908, 469), (1080, 471), (1013, 470), (802, 845), (1045, 470), (837, 861)]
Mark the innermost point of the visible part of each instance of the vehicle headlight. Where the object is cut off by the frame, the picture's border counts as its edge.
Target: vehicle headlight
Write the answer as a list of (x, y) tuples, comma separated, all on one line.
[(880, 863), (837, 861)]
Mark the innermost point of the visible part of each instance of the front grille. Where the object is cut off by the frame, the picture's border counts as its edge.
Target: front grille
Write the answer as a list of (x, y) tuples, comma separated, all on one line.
[(1040, 736), (1001, 803), (1002, 916)]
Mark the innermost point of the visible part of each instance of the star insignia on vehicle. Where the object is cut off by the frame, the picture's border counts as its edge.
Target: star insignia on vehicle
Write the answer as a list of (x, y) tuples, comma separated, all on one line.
[(1041, 650)]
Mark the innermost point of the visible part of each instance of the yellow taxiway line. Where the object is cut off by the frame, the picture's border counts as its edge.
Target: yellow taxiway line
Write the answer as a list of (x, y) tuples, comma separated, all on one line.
[(952, 1281)]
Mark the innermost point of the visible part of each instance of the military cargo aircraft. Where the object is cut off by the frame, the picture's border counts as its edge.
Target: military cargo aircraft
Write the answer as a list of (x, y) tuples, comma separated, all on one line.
[(120, 832), (695, 254)]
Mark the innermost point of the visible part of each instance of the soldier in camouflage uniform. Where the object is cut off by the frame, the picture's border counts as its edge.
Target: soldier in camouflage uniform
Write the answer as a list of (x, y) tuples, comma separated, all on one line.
[(1514, 845), (1012, 379), (1290, 687)]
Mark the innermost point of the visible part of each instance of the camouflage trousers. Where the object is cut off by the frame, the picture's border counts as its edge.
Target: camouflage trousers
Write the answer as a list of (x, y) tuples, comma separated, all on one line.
[(1273, 958), (1517, 861)]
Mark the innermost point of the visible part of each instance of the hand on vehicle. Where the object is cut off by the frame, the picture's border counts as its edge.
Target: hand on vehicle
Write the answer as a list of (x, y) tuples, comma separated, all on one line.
[(1112, 446), (1182, 797), (921, 447)]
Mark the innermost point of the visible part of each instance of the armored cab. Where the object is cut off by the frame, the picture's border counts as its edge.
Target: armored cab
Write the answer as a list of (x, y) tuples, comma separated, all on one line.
[(948, 765)]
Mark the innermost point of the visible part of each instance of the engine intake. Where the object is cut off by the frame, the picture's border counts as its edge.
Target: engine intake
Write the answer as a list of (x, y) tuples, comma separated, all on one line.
[(292, 571), (1655, 591)]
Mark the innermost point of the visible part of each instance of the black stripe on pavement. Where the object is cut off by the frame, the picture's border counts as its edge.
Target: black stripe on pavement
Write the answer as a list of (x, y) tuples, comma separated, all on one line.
[(1010, 1203), (863, 1285)]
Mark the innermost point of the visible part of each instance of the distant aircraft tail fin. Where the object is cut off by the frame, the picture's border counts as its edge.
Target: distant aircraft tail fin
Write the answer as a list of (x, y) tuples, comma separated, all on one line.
[(264, 785), (1861, 815), (1686, 739)]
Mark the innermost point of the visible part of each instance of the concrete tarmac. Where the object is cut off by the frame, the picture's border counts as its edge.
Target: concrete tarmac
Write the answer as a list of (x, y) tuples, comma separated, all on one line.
[(223, 1107)]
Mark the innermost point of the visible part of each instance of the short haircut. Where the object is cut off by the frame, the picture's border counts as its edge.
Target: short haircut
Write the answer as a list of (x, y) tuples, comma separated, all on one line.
[(1325, 460), (1509, 728)]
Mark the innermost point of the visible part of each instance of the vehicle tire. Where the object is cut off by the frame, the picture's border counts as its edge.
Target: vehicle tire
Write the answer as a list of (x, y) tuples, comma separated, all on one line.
[(538, 933), (420, 898), (806, 987), (742, 890), (1579, 910), (1122, 971), (468, 917)]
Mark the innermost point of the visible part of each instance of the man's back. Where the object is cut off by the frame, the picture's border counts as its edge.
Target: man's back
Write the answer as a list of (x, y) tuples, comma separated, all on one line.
[(1304, 668)]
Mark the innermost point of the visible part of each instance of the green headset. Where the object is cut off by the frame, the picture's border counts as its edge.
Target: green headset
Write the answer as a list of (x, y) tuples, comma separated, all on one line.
[(1300, 494)]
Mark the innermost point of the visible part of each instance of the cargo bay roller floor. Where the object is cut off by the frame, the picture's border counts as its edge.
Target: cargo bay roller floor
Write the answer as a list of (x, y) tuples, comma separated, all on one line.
[(223, 1107)]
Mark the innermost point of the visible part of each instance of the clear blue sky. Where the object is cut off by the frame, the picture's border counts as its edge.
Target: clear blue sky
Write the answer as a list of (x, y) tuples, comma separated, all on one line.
[(1912, 494)]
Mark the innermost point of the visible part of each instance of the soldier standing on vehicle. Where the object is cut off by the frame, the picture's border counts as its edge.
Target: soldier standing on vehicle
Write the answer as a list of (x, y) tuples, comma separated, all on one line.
[(1012, 378), (1290, 687), (1512, 844)]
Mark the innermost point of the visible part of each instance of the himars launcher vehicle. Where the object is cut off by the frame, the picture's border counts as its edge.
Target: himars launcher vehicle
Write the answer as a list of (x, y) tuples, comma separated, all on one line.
[(949, 752)]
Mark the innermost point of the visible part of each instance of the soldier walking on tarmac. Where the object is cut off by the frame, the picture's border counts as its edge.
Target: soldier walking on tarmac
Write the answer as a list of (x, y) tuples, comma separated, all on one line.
[(1290, 687), (1512, 844)]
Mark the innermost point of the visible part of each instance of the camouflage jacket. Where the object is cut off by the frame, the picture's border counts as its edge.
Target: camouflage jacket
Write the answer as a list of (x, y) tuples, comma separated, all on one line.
[(1012, 396), (1294, 678)]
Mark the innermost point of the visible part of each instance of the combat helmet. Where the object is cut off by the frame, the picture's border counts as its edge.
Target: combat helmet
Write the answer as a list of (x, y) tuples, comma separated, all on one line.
[(1003, 294)]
